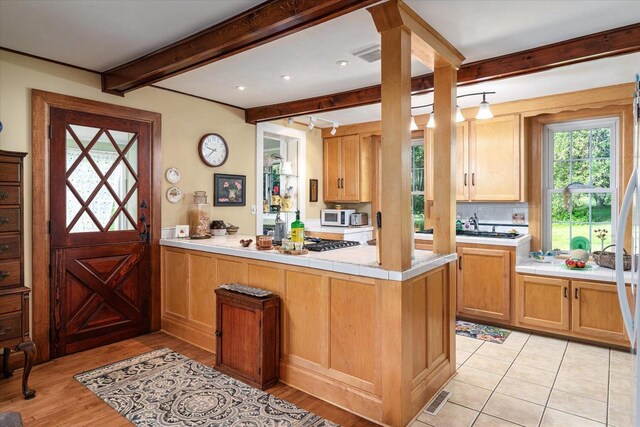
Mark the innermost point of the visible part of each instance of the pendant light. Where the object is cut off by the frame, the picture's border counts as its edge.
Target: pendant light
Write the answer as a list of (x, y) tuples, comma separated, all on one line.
[(432, 122), (459, 116), (414, 125), (484, 112)]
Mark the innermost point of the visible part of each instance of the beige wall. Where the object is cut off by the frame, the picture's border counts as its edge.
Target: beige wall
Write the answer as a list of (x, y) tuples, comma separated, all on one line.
[(184, 120)]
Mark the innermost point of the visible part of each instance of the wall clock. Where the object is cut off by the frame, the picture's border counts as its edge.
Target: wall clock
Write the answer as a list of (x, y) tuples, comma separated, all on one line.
[(213, 150)]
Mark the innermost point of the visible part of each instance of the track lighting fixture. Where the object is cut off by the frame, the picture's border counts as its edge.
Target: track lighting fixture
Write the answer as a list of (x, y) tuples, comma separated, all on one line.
[(484, 112), (314, 120), (311, 123), (334, 129), (290, 121)]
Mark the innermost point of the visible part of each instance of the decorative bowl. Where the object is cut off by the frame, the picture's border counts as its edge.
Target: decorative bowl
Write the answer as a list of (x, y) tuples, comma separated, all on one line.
[(246, 242), (545, 257)]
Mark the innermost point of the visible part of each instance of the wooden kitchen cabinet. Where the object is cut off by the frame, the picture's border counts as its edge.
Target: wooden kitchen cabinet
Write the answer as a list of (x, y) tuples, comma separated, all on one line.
[(347, 169), (462, 162), (494, 159), (596, 311), (542, 302), (484, 283), (248, 337)]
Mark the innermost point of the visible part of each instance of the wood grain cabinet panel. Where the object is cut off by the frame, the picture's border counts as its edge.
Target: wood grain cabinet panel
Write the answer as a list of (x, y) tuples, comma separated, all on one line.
[(10, 195), (494, 147), (353, 325), (306, 317), (542, 302), (202, 277), (350, 184), (462, 162), (232, 272), (596, 311), (332, 168), (484, 282), (268, 278), (347, 169), (10, 247), (175, 264)]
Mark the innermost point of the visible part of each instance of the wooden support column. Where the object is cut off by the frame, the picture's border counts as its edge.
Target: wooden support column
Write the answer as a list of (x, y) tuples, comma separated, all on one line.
[(396, 149), (444, 152)]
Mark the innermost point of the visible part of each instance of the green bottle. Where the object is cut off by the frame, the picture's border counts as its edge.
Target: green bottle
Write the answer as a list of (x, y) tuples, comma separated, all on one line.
[(297, 229)]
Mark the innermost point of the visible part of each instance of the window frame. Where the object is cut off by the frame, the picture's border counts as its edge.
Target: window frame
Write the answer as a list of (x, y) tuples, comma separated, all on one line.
[(548, 189)]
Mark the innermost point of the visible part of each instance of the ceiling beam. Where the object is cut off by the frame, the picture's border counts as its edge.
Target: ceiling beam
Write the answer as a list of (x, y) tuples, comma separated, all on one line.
[(605, 44), (261, 24)]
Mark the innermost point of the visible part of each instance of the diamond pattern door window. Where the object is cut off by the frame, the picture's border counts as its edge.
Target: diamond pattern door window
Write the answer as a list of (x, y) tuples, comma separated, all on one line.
[(101, 180)]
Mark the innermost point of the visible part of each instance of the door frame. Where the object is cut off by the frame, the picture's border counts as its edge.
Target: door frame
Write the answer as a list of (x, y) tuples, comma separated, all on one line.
[(41, 103)]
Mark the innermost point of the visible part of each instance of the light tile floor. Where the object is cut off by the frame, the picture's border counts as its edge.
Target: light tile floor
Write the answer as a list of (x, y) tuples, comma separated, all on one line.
[(532, 380)]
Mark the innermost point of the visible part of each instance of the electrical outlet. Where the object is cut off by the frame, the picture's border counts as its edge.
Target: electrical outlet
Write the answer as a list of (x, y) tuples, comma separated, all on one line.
[(253, 209)]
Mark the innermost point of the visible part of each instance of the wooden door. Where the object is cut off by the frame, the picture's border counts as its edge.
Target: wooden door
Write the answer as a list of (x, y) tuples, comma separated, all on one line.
[(462, 163), (100, 194), (495, 159), (332, 148), (542, 302), (596, 311), (484, 282), (350, 165), (239, 338)]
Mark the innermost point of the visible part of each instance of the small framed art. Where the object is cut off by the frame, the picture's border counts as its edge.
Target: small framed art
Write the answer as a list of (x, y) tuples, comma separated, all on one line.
[(229, 190), (313, 190)]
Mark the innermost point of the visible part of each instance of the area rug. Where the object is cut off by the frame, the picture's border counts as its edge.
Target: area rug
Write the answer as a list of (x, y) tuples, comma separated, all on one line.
[(481, 332), (165, 388)]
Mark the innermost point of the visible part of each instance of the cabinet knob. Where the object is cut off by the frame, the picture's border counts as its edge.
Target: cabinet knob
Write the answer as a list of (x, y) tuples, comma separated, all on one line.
[(218, 333), (4, 275), (4, 195), (4, 330), (3, 248), (4, 220)]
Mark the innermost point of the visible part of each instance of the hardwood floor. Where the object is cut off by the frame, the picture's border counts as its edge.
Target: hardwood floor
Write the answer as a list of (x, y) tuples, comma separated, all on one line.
[(62, 401)]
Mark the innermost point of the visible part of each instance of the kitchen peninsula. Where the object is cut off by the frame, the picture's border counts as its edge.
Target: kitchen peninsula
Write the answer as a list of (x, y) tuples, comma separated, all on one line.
[(350, 329)]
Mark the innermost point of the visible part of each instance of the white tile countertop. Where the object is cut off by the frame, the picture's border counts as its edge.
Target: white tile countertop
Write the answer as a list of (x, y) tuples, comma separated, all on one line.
[(357, 260), (557, 269), (520, 240)]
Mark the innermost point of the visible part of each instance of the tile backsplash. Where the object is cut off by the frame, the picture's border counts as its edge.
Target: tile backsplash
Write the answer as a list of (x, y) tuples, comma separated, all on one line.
[(493, 212)]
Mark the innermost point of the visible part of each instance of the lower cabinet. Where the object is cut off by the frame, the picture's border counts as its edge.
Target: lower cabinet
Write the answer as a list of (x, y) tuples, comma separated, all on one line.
[(484, 283), (575, 308)]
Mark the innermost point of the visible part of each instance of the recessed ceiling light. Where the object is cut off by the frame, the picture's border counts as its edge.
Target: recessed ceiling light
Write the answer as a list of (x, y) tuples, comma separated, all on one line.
[(285, 77), (241, 88), (342, 63)]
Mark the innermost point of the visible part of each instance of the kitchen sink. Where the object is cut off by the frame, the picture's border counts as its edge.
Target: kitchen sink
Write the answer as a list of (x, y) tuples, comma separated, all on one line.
[(471, 233)]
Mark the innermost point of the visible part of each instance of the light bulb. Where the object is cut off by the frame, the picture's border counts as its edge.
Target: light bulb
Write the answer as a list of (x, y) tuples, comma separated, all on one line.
[(311, 124), (333, 130), (290, 121), (431, 123), (484, 112), (414, 125), (459, 116)]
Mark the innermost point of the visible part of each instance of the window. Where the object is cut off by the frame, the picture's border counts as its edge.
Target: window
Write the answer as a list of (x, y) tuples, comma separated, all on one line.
[(580, 183), (417, 183)]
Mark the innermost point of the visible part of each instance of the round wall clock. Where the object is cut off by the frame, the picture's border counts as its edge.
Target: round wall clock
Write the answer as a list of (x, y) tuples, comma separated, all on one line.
[(213, 150)]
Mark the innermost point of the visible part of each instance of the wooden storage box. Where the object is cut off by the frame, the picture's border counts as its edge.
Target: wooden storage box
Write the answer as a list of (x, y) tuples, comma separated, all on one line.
[(248, 337)]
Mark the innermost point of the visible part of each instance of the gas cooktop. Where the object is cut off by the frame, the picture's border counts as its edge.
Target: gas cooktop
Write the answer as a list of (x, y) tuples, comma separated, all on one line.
[(321, 245)]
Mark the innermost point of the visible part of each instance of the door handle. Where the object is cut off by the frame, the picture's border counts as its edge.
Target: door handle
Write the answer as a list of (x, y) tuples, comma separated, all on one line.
[(3, 248), (473, 179), (338, 183), (4, 195), (460, 263), (341, 182), (575, 293), (465, 179), (144, 234), (218, 333), (4, 220), (565, 291), (4, 275)]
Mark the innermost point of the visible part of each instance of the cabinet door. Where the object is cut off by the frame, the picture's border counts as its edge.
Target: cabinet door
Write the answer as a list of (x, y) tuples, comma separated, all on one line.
[(332, 152), (596, 311), (484, 280), (350, 165), (495, 159), (239, 339), (542, 302), (462, 163)]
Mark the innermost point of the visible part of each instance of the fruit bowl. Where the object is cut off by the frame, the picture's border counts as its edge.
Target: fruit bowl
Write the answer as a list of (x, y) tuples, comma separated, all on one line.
[(575, 264)]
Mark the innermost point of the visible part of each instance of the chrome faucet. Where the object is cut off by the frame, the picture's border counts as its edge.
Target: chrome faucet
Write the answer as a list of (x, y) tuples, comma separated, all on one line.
[(474, 220)]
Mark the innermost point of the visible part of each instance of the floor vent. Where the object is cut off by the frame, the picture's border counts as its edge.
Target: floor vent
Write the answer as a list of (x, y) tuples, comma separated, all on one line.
[(370, 54), (437, 403)]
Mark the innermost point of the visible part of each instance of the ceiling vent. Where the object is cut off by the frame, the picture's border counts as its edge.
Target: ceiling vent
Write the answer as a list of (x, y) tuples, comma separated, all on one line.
[(370, 54)]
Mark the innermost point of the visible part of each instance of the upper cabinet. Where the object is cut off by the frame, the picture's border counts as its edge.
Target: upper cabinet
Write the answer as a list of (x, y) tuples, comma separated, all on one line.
[(347, 169), (488, 160)]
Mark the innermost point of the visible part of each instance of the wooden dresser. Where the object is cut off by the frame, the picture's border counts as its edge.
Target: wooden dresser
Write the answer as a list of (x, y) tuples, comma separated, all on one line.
[(14, 296), (248, 337)]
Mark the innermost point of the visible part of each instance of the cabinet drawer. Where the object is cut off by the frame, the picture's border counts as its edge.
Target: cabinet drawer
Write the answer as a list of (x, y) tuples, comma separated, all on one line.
[(9, 247), (9, 273), (10, 326), (9, 172), (9, 219), (9, 195), (10, 303)]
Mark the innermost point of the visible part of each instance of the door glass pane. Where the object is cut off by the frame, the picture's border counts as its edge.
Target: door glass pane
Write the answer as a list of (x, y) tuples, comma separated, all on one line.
[(83, 178), (103, 153), (84, 134), (85, 224), (103, 206)]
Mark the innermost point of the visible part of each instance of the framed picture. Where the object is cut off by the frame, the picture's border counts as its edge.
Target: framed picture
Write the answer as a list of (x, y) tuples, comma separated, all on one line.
[(229, 190), (313, 190)]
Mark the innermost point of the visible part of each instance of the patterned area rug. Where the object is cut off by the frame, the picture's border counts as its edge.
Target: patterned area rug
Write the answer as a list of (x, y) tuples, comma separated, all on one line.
[(165, 388), (481, 332)]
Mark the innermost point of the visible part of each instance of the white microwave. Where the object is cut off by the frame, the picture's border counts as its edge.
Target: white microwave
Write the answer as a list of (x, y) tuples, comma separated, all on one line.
[(336, 217)]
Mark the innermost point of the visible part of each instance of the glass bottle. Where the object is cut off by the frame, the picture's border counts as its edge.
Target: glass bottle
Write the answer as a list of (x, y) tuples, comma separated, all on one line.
[(297, 229), (199, 215)]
